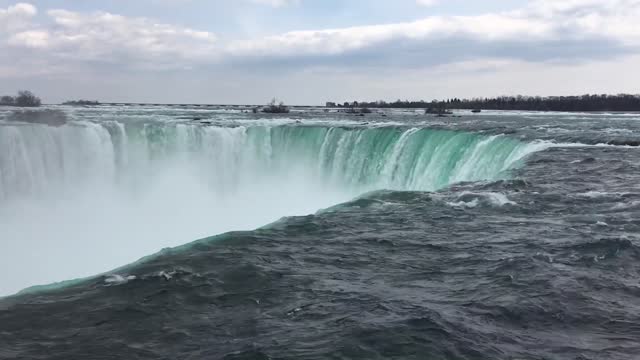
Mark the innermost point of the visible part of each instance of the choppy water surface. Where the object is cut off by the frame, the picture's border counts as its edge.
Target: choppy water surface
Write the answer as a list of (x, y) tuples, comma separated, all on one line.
[(491, 236)]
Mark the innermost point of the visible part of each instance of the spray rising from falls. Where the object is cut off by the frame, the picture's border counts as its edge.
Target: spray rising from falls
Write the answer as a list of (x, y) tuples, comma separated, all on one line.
[(86, 197)]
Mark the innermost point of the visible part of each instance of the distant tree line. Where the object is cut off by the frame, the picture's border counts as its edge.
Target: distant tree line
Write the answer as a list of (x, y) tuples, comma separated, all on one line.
[(621, 102), (23, 99)]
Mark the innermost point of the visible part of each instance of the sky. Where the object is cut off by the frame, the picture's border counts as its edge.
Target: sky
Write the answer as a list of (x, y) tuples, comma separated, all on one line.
[(313, 51)]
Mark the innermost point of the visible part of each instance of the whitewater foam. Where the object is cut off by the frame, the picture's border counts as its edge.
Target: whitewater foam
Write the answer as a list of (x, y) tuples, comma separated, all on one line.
[(600, 194), (469, 199), (114, 280)]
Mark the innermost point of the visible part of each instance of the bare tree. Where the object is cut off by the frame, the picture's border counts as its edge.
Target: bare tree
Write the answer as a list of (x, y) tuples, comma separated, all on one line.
[(26, 98), (275, 107), (7, 100)]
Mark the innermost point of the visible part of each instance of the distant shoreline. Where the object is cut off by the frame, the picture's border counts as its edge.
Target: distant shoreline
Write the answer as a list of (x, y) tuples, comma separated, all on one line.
[(621, 103), (581, 103), (250, 106)]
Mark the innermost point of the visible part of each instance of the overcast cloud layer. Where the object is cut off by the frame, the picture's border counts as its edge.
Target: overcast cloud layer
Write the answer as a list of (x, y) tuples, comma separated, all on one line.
[(540, 47)]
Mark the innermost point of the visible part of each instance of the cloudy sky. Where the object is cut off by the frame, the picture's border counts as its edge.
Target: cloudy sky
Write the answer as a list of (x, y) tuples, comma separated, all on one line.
[(312, 51)]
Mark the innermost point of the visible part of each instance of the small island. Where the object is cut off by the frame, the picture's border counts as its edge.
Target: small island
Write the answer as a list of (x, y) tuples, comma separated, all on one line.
[(274, 107)]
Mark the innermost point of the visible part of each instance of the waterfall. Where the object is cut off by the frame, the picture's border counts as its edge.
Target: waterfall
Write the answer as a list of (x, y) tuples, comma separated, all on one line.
[(89, 196)]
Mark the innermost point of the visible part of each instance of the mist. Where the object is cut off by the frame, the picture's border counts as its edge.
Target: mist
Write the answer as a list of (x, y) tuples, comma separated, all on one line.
[(81, 213)]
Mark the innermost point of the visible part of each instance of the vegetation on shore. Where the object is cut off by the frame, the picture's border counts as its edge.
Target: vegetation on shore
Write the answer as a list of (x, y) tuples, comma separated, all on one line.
[(621, 102), (24, 98)]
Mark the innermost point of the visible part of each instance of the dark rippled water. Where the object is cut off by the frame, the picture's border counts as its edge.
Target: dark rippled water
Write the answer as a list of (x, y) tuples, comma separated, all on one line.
[(544, 264)]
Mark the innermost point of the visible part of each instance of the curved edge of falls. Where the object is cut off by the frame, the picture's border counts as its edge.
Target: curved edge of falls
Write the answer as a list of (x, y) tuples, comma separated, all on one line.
[(94, 186)]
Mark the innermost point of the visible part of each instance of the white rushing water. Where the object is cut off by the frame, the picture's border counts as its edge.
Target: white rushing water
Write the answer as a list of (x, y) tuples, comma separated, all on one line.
[(87, 197)]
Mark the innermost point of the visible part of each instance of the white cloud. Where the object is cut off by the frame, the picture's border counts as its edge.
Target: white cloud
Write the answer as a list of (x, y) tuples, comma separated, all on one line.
[(338, 41), (31, 39), (106, 37), (275, 3), (16, 17), (427, 2), (542, 31), (545, 29), (615, 19)]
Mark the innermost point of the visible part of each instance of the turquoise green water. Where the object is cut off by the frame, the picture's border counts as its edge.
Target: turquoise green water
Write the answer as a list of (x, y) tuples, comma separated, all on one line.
[(353, 159)]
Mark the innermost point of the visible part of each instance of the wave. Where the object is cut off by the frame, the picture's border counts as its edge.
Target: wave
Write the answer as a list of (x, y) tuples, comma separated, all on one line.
[(468, 199), (91, 196)]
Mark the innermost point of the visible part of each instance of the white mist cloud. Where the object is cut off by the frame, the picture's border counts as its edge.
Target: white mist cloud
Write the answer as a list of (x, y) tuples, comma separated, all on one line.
[(97, 210)]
